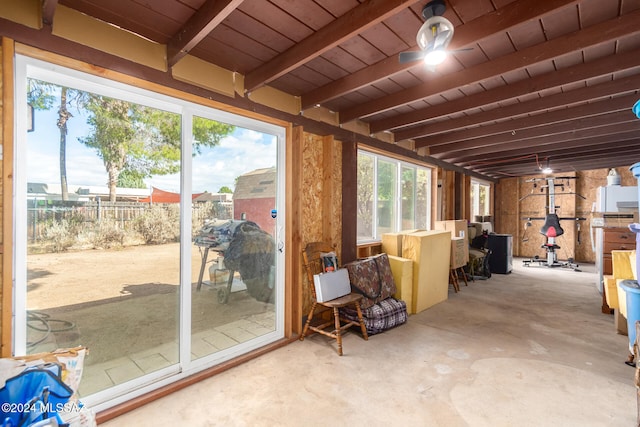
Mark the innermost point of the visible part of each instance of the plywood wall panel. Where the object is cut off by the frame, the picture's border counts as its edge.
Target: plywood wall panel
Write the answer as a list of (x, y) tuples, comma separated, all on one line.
[(336, 208), (586, 186), (321, 199), (312, 185), (517, 199), (505, 207)]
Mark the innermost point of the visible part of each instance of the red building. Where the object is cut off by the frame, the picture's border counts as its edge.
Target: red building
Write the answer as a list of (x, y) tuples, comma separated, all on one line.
[(255, 197)]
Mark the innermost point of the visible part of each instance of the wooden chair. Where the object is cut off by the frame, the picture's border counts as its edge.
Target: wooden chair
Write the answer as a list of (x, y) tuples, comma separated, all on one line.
[(312, 263)]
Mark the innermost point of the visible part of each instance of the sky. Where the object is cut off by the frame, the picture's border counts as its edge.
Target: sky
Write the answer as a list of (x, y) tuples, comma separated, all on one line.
[(242, 151)]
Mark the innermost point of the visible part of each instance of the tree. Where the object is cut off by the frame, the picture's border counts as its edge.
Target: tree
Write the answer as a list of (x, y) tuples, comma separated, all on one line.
[(225, 189), (365, 195), (63, 116), (143, 141), (112, 137), (131, 179), (40, 98)]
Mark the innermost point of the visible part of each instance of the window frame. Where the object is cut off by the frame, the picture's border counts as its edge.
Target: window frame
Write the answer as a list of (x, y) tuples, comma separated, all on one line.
[(187, 106), (401, 165), (474, 195)]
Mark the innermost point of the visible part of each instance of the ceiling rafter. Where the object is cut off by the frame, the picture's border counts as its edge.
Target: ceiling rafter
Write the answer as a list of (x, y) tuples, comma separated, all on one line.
[(547, 134), (577, 146), (577, 73), (565, 165), (590, 36), (566, 136), (466, 35), (561, 99), (577, 64), (202, 22), (357, 20), (538, 122), (595, 151)]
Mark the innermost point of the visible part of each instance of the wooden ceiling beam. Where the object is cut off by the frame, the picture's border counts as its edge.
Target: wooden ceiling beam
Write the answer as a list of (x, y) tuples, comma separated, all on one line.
[(202, 22), (48, 10), (597, 34), (548, 133), (466, 35), (595, 150), (538, 123), (579, 145), (349, 25), (567, 165), (578, 73), (558, 100), (557, 138)]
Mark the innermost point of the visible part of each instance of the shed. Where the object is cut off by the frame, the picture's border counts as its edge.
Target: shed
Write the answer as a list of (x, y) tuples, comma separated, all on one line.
[(255, 197)]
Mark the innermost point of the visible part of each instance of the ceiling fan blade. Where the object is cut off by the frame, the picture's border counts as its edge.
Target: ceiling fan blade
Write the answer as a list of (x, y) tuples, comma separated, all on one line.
[(463, 49), (442, 39), (414, 55)]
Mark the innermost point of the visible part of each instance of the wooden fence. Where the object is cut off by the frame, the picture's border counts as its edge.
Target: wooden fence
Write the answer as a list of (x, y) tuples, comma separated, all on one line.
[(41, 215)]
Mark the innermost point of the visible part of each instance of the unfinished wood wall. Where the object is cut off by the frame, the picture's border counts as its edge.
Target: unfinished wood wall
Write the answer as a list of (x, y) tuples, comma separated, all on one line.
[(2, 314), (6, 193), (320, 198), (517, 199), (505, 212)]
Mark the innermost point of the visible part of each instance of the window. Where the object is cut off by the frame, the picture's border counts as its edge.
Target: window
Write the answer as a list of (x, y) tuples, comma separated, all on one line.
[(124, 217), (392, 196), (480, 195)]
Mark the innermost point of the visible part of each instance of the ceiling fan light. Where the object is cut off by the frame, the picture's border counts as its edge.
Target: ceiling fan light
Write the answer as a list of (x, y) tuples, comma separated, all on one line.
[(431, 28), (435, 57)]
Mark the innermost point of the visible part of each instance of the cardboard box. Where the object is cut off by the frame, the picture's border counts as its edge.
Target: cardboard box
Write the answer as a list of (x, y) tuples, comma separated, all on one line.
[(392, 242), (402, 270), (611, 291), (458, 227), (430, 253), (459, 252)]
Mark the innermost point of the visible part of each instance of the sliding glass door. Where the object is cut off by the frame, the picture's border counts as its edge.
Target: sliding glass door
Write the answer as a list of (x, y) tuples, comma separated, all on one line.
[(146, 229)]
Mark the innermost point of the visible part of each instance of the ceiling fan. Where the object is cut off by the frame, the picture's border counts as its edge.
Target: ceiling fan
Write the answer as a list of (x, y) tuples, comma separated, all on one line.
[(433, 37)]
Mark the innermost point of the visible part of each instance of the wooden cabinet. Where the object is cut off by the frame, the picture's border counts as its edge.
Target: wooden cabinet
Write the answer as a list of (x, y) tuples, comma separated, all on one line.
[(614, 239)]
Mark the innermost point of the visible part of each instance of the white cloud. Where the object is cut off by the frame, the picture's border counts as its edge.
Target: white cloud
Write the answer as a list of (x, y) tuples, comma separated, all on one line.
[(243, 151)]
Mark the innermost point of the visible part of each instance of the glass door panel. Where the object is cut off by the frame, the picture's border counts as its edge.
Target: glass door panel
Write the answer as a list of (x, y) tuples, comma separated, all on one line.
[(148, 229), (102, 255), (235, 183)]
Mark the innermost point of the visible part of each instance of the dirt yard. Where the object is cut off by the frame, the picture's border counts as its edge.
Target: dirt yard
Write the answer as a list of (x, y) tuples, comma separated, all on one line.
[(121, 301)]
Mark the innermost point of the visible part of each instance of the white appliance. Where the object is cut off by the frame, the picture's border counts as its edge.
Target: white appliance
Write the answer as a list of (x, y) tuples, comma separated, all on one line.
[(610, 199)]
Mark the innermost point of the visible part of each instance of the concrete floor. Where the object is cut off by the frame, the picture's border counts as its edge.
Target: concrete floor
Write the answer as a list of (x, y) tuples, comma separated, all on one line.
[(530, 348)]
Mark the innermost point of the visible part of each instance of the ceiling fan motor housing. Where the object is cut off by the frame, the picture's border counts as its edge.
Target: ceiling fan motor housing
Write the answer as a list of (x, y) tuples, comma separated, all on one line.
[(434, 8)]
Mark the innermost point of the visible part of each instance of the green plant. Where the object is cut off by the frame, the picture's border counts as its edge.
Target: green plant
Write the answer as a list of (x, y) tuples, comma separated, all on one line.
[(60, 234), (108, 234), (159, 224)]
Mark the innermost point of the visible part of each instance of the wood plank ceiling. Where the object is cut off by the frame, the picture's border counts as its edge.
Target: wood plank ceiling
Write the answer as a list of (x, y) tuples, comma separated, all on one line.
[(548, 81)]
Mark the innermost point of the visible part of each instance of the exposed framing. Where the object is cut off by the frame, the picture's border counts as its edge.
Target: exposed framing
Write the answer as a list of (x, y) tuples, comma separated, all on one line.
[(8, 54)]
